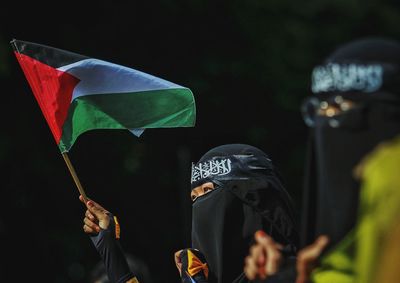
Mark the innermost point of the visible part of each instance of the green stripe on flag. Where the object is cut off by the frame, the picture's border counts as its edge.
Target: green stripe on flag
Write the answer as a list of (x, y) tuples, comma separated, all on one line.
[(148, 109)]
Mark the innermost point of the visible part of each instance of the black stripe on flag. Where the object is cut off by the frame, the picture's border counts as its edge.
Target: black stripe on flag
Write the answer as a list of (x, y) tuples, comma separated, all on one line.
[(48, 55)]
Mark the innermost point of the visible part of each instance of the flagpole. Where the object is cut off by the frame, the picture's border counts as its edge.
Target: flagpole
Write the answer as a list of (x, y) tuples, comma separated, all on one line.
[(74, 176)]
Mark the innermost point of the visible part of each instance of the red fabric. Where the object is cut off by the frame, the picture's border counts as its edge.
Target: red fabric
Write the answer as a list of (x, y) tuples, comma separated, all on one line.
[(52, 89)]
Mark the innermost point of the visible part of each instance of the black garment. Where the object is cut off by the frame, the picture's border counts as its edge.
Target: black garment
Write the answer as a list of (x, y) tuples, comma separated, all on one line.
[(110, 250), (249, 195), (338, 143)]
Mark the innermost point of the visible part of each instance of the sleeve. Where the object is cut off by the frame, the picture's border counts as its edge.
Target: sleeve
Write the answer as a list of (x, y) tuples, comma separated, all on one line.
[(108, 246), (194, 267)]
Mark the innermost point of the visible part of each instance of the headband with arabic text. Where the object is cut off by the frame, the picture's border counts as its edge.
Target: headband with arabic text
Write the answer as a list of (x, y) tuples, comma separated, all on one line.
[(354, 77), (225, 168)]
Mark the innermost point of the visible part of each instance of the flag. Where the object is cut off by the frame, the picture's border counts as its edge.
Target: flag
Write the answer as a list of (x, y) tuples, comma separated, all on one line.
[(77, 93)]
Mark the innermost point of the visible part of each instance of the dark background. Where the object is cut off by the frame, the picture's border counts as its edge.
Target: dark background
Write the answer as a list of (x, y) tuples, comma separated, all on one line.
[(248, 64)]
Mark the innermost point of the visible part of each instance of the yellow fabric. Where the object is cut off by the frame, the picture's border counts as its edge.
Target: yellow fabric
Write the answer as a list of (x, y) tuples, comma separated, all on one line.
[(357, 257), (195, 265), (388, 270), (117, 228), (380, 207)]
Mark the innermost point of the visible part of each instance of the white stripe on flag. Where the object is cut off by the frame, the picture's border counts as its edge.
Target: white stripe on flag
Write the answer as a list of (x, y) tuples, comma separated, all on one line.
[(101, 77)]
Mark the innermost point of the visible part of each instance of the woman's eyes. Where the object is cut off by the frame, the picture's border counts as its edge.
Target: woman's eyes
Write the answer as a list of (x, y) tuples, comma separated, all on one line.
[(200, 193), (207, 190)]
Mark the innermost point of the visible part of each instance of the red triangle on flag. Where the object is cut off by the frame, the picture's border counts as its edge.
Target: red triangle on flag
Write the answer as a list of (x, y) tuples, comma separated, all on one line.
[(52, 89)]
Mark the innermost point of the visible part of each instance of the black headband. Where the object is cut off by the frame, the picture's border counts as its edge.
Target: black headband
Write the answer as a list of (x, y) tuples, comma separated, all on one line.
[(223, 168), (354, 77)]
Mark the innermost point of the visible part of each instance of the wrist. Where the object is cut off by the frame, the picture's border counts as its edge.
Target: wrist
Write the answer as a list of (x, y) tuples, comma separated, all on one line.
[(105, 222)]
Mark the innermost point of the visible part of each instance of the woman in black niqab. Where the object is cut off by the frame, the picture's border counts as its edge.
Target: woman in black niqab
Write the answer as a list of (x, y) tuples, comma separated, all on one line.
[(364, 76), (248, 195)]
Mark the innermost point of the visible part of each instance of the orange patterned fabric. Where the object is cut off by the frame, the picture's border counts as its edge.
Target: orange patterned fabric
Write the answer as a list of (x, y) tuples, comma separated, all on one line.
[(195, 265), (132, 280), (117, 228)]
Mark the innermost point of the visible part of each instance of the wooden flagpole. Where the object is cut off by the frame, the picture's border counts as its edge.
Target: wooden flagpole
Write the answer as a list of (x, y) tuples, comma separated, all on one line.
[(74, 176)]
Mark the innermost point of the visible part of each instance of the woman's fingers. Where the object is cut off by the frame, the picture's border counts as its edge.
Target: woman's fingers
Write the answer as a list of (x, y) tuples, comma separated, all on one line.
[(251, 267), (89, 215), (178, 262), (273, 255), (307, 258), (91, 225)]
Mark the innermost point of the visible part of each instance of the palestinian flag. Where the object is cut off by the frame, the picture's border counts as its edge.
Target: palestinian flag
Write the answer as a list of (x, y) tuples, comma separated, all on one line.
[(78, 93)]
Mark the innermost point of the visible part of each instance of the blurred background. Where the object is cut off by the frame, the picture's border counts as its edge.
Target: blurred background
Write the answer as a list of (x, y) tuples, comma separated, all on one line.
[(248, 64)]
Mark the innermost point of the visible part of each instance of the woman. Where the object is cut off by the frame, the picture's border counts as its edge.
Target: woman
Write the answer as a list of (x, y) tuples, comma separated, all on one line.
[(236, 190)]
